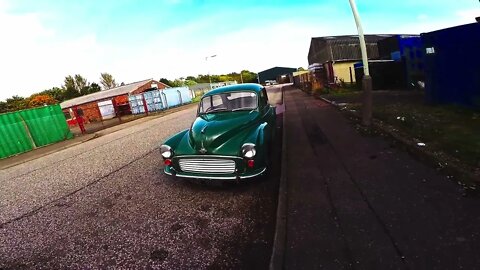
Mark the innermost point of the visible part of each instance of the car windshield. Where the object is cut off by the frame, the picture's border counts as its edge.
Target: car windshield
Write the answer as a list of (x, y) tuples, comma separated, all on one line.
[(233, 101)]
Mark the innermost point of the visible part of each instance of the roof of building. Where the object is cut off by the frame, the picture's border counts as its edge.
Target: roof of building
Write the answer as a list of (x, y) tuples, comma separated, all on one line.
[(236, 87), (288, 69), (104, 94), (297, 73), (335, 48)]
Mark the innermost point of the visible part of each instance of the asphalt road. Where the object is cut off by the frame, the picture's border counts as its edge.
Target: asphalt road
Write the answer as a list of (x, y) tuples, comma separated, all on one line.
[(106, 203)]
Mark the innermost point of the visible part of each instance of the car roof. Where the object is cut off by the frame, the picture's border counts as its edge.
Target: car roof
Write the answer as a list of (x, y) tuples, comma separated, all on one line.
[(236, 87)]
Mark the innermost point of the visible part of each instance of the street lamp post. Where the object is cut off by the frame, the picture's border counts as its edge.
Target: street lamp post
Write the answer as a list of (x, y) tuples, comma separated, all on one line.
[(367, 79), (209, 79)]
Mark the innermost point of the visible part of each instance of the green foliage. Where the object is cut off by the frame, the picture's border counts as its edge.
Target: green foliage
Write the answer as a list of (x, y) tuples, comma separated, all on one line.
[(165, 81), (107, 81), (74, 86), (71, 92), (189, 82), (16, 103), (80, 83), (94, 87), (3, 106), (55, 92), (245, 76)]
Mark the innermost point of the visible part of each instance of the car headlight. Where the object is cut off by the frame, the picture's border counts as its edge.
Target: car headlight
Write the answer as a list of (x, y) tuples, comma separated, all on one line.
[(166, 151), (248, 150)]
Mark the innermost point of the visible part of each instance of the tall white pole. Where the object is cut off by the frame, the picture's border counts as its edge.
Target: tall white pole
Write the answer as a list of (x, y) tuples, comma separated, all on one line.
[(367, 80), (209, 79), (361, 36)]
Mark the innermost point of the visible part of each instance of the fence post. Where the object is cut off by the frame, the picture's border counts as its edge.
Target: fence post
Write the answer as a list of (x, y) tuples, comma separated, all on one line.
[(145, 104), (79, 119), (27, 130)]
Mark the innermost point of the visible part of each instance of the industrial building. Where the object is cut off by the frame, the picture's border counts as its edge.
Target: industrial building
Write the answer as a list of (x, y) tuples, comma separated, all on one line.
[(452, 70), (338, 54), (273, 73)]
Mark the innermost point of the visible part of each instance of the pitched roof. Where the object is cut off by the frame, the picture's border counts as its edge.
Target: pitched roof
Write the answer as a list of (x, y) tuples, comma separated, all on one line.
[(104, 94), (336, 48)]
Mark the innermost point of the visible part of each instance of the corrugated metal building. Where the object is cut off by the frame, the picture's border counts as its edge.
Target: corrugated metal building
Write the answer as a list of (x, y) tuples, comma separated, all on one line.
[(452, 69), (273, 73), (408, 50), (338, 54)]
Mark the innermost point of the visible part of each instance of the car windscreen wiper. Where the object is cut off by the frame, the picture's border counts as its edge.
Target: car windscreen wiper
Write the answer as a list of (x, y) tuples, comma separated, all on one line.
[(217, 110), (243, 109)]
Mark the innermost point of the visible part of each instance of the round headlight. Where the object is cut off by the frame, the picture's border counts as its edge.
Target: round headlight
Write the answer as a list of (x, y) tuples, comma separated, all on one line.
[(166, 151), (248, 150)]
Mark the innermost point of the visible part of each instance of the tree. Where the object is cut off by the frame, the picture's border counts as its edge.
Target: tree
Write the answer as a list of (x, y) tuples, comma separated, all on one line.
[(71, 88), (94, 87), (41, 100), (189, 82), (166, 81), (80, 82), (55, 92), (300, 69), (16, 103), (107, 81), (70, 82), (3, 107), (249, 77)]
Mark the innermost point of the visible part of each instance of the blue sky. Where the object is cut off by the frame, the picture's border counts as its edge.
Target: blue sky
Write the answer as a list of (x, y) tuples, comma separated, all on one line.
[(44, 41)]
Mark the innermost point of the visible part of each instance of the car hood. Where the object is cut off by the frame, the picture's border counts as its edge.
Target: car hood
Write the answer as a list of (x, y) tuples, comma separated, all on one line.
[(222, 130)]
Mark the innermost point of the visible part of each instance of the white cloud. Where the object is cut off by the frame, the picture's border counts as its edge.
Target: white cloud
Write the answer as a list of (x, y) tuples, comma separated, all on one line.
[(36, 57), (468, 16)]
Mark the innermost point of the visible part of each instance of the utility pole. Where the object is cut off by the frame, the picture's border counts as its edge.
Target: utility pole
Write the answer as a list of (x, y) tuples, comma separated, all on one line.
[(209, 79), (367, 80)]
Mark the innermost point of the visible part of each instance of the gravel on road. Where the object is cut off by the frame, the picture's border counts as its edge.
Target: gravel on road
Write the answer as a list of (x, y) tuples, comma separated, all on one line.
[(107, 204)]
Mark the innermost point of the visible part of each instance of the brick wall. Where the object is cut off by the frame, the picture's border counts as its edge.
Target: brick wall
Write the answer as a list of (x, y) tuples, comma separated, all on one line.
[(147, 86)]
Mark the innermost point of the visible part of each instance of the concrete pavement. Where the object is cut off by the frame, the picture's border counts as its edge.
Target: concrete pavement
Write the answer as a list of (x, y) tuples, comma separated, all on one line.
[(106, 204), (357, 202)]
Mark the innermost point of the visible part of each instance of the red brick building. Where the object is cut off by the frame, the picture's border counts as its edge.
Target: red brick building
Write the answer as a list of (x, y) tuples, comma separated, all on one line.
[(89, 104)]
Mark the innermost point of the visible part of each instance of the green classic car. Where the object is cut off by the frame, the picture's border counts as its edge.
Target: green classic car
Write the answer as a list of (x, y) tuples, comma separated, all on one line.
[(229, 140)]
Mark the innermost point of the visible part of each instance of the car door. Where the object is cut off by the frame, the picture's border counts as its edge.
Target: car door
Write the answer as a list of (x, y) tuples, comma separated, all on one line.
[(268, 114)]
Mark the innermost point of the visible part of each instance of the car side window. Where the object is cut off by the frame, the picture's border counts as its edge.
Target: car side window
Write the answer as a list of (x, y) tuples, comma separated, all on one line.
[(217, 100)]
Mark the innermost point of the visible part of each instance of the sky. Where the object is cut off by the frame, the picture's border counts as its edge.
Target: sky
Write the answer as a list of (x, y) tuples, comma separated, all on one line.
[(42, 41)]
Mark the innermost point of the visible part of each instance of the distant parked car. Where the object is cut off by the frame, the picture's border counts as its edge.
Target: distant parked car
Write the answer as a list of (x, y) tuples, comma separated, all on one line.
[(229, 140), (270, 82)]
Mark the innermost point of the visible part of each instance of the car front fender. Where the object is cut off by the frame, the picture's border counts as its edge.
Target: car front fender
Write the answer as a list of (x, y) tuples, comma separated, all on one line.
[(175, 139)]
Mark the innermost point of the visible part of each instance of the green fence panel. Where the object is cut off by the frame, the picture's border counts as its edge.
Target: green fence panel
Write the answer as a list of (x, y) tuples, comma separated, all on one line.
[(42, 126), (14, 138), (47, 125)]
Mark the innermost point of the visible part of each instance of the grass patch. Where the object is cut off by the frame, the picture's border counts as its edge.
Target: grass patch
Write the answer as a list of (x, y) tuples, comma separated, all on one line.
[(196, 99), (341, 92), (453, 130)]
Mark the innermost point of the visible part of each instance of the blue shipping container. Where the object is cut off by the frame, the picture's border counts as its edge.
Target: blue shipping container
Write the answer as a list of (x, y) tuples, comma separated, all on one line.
[(452, 65)]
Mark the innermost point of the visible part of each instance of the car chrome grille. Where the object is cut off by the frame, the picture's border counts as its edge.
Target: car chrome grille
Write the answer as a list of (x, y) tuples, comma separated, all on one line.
[(207, 165)]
